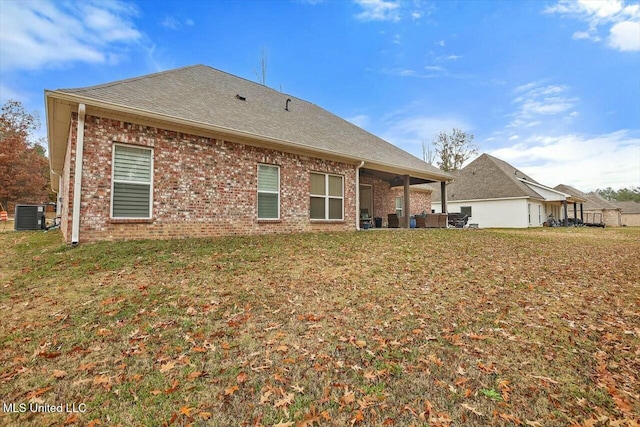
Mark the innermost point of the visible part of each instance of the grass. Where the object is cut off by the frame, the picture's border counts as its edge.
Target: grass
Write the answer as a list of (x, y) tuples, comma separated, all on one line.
[(413, 327)]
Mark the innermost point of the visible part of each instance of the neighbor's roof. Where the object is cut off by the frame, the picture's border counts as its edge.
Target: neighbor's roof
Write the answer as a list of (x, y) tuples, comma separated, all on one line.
[(594, 201), (205, 98), (488, 177), (629, 207)]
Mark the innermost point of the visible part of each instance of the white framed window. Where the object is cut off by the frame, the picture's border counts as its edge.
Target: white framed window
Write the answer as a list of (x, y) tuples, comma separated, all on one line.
[(131, 182), (327, 196), (399, 205), (539, 214), (268, 192), (465, 210)]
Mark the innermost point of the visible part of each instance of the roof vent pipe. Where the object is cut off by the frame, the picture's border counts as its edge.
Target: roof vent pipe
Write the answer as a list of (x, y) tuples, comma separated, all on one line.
[(286, 105)]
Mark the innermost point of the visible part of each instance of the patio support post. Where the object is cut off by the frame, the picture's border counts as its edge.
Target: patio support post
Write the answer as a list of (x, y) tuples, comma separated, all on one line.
[(564, 205), (443, 197), (407, 203), (581, 213), (575, 210)]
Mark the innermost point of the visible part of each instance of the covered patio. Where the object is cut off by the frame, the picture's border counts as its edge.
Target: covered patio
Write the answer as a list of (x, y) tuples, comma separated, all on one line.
[(383, 193)]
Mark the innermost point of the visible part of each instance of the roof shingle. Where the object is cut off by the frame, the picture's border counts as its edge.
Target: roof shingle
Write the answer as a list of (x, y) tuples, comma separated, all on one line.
[(204, 95)]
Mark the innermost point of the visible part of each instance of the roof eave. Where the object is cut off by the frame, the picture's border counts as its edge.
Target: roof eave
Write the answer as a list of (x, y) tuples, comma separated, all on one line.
[(73, 99)]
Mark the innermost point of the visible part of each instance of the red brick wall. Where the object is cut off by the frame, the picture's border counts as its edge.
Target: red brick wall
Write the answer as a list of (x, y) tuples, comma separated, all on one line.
[(420, 200), (202, 186), (384, 198)]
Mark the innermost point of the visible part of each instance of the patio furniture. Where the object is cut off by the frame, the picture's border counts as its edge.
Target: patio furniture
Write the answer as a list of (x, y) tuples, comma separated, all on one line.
[(365, 221), (458, 220), (393, 221)]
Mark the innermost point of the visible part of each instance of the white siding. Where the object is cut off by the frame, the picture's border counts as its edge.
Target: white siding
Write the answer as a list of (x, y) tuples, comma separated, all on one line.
[(510, 213), (538, 213)]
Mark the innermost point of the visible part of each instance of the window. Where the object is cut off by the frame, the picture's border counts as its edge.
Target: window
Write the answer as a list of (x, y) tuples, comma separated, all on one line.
[(268, 192), (539, 214), (529, 212), (132, 182), (327, 196), (465, 210), (399, 206)]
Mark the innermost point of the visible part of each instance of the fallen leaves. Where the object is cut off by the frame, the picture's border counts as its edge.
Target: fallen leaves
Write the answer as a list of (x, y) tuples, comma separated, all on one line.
[(313, 329), (230, 391), (167, 366), (472, 409)]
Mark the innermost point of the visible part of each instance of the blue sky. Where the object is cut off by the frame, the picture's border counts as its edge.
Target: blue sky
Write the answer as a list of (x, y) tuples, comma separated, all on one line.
[(551, 87)]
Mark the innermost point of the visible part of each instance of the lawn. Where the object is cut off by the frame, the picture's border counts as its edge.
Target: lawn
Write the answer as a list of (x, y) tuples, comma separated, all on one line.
[(406, 327)]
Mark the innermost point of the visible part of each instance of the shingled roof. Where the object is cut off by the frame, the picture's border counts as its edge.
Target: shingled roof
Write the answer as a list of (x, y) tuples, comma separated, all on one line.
[(203, 97), (594, 201), (488, 177), (629, 207)]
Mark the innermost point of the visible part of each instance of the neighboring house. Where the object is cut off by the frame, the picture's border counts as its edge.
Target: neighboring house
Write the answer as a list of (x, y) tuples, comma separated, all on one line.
[(199, 152), (597, 210), (495, 194), (630, 213)]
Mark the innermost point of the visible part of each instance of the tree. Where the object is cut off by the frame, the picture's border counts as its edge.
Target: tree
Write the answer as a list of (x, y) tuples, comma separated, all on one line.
[(428, 152), (631, 194), (24, 168), (452, 150)]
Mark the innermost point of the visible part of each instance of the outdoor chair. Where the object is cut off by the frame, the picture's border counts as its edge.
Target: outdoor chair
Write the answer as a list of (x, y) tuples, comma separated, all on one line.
[(393, 220)]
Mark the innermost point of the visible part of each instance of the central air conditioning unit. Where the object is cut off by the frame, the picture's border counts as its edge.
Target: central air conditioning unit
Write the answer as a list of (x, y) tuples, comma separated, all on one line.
[(30, 217)]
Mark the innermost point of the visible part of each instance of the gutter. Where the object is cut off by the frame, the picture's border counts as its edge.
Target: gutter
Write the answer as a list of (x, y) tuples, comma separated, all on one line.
[(358, 195), (77, 178), (137, 112)]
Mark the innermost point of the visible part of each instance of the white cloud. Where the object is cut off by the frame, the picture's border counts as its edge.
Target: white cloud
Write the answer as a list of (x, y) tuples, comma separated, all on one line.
[(625, 36), (360, 120), (585, 35), (409, 131), (441, 43), (432, 72), (586, 162), (7, 93), (622, 21), (378, 10), (41, 34), (173, 23), (538, 99)]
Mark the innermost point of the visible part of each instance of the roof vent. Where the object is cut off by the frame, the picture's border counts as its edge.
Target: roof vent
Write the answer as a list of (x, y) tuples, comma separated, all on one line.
[(241, 98), (286, 104)]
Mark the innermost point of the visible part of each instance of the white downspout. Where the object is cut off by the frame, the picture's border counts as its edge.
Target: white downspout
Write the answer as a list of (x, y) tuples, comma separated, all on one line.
[(77, 179), (358, 195)]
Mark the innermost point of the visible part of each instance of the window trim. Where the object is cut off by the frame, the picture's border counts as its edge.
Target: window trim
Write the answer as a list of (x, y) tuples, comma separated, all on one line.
[(400, 210), (326, 197), (113, 180), (258, 191)]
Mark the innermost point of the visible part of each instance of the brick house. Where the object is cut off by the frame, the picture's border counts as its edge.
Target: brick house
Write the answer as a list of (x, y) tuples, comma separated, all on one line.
[(198, 152), (597, 210), (630, 213)]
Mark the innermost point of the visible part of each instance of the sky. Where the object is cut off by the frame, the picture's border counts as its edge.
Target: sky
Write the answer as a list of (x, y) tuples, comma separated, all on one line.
[(552, 87)]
